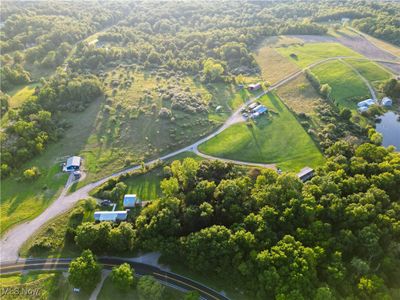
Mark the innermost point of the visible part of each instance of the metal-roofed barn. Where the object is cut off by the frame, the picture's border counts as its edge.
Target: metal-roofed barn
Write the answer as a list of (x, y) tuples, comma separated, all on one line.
[(112, 216), (73, 164), (305, 174), (130, 200)]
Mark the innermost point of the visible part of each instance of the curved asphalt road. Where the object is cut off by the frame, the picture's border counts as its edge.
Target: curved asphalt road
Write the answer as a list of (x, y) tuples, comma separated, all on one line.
[(166, 278), (13, 239)]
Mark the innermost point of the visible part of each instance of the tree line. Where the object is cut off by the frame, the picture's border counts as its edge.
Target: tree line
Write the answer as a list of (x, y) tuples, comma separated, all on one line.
[(334, 237)]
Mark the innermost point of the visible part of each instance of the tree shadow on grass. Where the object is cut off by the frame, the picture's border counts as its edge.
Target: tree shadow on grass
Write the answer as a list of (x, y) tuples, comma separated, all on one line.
[(275, 102), (255, 139)]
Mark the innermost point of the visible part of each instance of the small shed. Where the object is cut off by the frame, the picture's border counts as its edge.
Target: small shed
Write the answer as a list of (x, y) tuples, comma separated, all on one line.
[(73, 164), (254, 87), (130, 200), (305, 174), (218, 108), (112, 216), (386, 101)]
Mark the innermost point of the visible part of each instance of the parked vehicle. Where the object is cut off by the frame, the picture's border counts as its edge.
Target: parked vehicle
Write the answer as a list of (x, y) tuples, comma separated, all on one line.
[(106, 203)]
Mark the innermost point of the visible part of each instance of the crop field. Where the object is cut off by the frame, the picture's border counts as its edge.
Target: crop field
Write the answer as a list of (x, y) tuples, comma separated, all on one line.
[(304, 55), (278, 138), (347, 86), (274, 66)]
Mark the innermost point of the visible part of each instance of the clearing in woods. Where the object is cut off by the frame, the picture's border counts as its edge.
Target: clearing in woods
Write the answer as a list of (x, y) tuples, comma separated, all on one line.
[(347, 86), (274, 138), (306, 54), (273, 65)]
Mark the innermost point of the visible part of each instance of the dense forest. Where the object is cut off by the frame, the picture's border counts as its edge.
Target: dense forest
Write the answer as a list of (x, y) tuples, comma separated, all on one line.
[(336, 236)]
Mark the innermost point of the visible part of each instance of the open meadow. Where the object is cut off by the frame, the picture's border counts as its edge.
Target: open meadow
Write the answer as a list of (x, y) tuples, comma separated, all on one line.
[(273, 65), (277, 138), (371, 71), (309, 53), (347, 86), (23, 200), (47, 284)]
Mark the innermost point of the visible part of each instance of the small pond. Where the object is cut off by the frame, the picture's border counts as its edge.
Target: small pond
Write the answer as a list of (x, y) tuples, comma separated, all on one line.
[(389, 127)]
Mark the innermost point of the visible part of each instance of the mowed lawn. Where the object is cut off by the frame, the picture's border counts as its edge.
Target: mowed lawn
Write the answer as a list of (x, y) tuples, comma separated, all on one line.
[(22, 200), (370, 70), (147, 186), (278, 138), (310, 53), (347, 86)]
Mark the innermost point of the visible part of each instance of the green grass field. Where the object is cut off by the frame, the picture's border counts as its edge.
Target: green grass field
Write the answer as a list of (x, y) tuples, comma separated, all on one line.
[(131, 130), (278, 139), (21, 200), (47, 284), (273, 65), (21, 94), (313, 52), (347, 86), (110, 292), (55, 230), (371, 71)]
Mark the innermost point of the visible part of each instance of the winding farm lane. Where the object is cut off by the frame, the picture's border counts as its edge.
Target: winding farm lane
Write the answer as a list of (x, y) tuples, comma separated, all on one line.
[(14, 238)]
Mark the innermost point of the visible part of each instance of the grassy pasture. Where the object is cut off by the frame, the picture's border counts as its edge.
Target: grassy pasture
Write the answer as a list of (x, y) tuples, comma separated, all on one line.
[(274, 66), (110, 292), (299, 95), (48, 284), (312, 52), (147, 186), (130, 130), (347, 86), (278, 138), (56, 230), (21, 94), (374, 73), (21, 200)]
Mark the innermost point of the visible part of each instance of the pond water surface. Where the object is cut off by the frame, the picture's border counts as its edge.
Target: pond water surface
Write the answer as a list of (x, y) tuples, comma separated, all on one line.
[(389, 127)]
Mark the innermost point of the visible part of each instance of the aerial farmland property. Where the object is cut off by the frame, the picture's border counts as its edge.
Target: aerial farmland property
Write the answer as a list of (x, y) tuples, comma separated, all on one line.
[(200, 150)]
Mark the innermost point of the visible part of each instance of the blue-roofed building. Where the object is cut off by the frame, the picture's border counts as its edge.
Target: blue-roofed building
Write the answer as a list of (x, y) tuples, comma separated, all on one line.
[(366, 103), (130, 201), (112, 216), (260, 109), (73, 164), (387, 102)]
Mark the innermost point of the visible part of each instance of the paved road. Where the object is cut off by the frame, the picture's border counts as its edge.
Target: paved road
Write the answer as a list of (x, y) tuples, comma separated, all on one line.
[(166, 278), (14, 238)]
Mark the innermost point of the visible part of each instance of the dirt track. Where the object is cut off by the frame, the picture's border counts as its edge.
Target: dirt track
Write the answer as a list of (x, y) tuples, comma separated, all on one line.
[(359, 44)]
